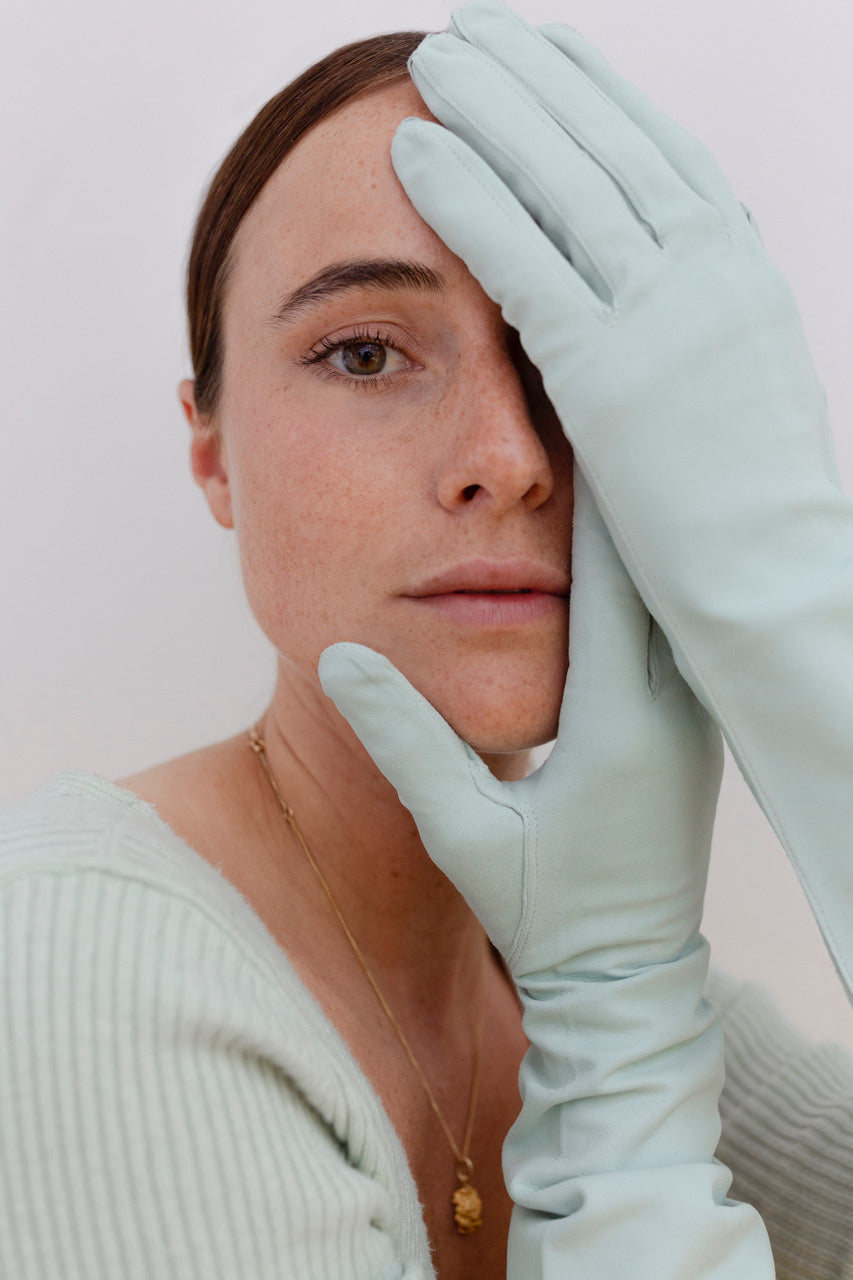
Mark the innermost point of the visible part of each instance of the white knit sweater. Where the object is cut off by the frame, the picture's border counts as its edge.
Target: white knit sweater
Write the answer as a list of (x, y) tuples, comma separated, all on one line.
[(175, 1104)]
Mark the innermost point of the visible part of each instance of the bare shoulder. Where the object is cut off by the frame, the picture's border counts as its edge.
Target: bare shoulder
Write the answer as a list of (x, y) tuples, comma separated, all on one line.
[(202, 796)]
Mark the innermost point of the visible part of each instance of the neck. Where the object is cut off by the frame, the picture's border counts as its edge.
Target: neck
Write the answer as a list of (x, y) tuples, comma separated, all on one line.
[(418, 934)]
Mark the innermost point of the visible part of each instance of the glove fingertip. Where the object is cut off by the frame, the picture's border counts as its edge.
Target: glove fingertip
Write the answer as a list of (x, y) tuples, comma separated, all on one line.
[(478, 12), (371, 693), (342, 663), (411, 135), (554, 30)]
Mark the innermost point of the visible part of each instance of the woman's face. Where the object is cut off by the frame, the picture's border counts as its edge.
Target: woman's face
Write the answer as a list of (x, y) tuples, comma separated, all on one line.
[(393, 470)]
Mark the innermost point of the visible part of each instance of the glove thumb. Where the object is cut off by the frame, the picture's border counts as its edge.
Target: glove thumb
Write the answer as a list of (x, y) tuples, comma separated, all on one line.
[(463, 814)]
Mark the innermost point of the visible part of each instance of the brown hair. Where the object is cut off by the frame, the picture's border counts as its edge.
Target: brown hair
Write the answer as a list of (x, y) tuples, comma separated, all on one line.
[(333, 82)]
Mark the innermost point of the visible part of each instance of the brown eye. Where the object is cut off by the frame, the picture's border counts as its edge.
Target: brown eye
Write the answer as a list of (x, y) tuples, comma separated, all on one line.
[(364, 360), (364, 357)]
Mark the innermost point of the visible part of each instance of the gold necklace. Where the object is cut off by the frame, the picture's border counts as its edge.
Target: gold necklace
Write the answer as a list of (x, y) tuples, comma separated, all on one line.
[(467, 1204)]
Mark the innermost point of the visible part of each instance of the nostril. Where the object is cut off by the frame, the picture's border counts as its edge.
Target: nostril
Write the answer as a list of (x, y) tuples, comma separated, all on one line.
[(470, 491)]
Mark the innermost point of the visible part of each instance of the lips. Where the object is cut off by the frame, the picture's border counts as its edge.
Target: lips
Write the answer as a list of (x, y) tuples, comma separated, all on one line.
[(495, 593), (512, 576)]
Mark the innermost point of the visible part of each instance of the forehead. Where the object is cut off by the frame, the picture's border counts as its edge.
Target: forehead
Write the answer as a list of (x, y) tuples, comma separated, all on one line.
[(336, 197)]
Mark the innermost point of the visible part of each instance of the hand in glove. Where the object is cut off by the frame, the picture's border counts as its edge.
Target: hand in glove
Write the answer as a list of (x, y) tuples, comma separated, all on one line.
[(589, 877), (672, 351)]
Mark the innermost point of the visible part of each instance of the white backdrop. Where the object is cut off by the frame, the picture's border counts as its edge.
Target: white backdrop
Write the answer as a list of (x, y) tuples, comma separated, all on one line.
[(124, 636)]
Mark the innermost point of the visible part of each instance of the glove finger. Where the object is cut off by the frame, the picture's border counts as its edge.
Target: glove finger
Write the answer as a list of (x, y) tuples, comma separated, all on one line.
[(624, 695), (661, 200), (636, 765), (406, 737), (612, 678), (480, 220), (469, 822), (690, 159), (574, 201)]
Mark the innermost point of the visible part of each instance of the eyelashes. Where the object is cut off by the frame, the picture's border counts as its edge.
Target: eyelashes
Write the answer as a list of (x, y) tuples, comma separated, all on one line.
[(363, 360)]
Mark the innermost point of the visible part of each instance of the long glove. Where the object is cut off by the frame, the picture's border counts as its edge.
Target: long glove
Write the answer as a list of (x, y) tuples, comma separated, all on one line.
[(673, 353), (589, 877)]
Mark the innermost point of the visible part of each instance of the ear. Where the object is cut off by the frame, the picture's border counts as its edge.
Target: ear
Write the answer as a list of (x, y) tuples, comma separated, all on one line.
[(207, 457)]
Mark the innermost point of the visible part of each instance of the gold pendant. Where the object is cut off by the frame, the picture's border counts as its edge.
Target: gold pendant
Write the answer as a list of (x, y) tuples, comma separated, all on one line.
[(467, 1209)]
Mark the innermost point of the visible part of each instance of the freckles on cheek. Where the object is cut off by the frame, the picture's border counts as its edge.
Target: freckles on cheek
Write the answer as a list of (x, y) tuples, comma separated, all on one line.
[(305, 528), (327, 492)]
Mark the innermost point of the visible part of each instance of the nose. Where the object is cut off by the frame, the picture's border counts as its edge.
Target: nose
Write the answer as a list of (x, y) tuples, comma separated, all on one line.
[(502, 435)]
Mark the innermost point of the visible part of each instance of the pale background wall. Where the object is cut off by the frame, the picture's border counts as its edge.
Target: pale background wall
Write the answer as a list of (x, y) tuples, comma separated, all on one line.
[(124, 637)]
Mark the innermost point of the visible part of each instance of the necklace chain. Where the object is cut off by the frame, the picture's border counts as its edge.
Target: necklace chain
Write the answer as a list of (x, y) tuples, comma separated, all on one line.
[(467, 1205)]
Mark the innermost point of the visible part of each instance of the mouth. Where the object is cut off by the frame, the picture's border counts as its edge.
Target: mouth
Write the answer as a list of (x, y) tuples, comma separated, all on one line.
[(495, 608), (496, 593)]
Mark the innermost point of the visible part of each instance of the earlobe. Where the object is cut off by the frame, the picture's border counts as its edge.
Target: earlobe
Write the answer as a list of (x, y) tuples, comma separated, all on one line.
[(207, 457)]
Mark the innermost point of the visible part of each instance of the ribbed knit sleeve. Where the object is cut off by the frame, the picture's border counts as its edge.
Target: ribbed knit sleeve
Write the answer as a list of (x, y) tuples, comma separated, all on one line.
[(787, 1113), (170, 1106), (174, 1105)]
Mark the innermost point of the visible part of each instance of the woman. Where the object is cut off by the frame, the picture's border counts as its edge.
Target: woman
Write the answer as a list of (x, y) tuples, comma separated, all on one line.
[(366, 419)]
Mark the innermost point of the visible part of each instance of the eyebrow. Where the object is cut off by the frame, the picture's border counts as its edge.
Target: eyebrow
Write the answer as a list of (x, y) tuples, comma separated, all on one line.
[(379, 274)]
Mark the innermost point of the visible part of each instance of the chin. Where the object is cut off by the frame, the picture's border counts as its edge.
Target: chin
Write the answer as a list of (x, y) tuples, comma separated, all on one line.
[(496, 737), (498, 721), (500, 700)]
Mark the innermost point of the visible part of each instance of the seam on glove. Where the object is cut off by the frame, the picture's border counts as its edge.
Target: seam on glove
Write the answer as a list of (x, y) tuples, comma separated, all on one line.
[(587, 297), (712, 706), (580, 138), (500, 793), (523, 167), (530, 887), (653, 666)]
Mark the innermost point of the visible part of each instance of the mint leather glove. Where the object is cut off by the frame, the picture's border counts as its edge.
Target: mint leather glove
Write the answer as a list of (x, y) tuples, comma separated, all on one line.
[(673, 353), (588, 877)]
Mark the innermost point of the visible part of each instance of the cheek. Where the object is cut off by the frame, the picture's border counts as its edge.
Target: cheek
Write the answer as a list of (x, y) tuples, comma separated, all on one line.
[(316, 512)]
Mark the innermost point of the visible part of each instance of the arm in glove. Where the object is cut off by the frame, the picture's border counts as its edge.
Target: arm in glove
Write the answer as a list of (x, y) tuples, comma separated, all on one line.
[(672, 351), (589, 877)]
